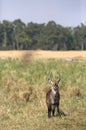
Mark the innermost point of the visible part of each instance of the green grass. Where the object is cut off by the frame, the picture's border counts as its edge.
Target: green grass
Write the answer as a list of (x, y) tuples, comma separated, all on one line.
[(18, 76)]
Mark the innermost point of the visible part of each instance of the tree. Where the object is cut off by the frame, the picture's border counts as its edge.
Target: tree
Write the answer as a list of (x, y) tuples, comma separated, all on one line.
[(6, 34), (18, 26), (24, 41), (34, 31), (80, 37), (51, 36)]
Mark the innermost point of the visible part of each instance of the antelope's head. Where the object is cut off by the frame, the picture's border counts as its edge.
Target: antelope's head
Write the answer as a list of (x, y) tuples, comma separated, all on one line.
[(54, 84)]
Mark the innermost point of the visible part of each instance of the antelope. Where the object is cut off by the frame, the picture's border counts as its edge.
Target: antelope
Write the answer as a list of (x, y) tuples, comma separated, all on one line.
[(53, 98)]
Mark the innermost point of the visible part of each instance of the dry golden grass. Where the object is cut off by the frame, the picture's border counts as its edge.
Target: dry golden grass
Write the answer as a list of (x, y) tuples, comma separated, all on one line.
[(18, 114), (22, 95), (27, 55), (73, 91)]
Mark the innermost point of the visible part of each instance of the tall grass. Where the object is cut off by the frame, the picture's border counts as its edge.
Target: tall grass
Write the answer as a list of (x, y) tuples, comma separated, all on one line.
[(22, 94)]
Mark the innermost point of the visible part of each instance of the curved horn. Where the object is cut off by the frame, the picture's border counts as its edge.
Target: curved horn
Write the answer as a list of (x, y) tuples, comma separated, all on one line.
[(51, 76), (50, 80), (59, 78)]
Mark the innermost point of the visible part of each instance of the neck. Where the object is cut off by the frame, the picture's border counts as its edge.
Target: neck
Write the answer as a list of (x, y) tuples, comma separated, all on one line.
[(53, 91)]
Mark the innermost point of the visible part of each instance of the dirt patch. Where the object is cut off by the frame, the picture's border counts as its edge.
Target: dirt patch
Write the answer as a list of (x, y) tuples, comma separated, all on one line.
[(41, 54)]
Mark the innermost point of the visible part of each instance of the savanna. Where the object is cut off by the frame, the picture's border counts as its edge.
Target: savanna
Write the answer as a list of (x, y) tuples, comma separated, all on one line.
[(24, 82)]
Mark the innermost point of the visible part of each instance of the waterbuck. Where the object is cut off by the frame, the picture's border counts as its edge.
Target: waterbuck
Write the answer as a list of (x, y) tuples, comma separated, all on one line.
[(53, 98)]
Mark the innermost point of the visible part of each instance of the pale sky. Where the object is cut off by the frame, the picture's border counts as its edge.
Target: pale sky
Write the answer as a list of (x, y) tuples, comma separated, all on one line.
[(63, 12)]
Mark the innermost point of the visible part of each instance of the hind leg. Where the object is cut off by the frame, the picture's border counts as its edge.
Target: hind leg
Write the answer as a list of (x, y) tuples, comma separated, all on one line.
[(58, 111)]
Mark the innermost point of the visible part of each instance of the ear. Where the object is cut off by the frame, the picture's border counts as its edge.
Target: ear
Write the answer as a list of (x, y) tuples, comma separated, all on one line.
[(58, 80), (50, 81)]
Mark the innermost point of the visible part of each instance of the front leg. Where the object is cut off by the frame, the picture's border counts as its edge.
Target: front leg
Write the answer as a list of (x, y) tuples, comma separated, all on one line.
[(53, 110), (49, 111)]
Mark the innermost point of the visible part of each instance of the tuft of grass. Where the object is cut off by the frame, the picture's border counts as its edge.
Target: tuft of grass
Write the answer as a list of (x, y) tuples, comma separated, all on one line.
[(73, 92)]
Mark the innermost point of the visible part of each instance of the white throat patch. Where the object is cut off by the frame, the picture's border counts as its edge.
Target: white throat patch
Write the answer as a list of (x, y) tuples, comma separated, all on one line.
[(53, 91)]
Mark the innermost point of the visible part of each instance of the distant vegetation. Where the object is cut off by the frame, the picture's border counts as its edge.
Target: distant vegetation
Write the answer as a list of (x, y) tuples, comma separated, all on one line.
[(22, 94), (17, 35)]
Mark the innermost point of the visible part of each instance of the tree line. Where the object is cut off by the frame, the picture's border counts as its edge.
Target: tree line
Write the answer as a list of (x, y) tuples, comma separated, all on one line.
[(17, 35)]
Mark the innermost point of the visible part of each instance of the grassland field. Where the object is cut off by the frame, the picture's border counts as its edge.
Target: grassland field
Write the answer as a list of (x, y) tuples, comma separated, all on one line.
[(23, 86)]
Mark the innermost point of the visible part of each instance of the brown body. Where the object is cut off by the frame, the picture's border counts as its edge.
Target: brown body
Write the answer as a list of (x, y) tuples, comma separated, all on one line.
[(53, 98)]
